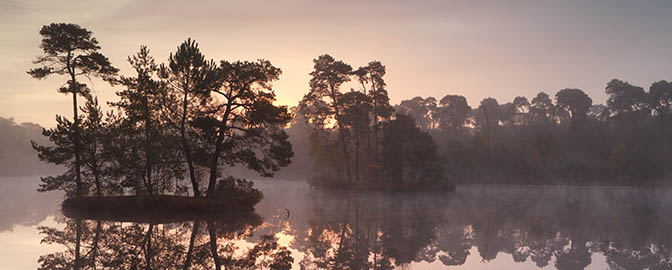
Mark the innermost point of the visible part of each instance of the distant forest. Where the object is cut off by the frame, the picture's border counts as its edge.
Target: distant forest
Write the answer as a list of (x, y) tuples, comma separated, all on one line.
[(17, 158), (560, 139)]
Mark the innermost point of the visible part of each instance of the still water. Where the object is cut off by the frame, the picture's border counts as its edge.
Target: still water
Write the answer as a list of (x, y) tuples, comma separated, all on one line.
[(294, 227)]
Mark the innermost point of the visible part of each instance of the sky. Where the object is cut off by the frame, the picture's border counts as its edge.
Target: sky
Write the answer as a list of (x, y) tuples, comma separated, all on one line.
[(478, 49)]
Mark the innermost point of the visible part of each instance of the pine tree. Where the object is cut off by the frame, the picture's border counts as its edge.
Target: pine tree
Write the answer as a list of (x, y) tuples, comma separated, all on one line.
[(71, 50)]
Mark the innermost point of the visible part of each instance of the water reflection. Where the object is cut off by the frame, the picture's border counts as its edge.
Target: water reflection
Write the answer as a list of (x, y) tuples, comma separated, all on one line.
[(561, 227), (556, 227), (198, 244)]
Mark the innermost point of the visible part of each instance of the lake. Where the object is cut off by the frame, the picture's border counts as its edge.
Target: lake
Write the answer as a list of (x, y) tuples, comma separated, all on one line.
[(296, 227)]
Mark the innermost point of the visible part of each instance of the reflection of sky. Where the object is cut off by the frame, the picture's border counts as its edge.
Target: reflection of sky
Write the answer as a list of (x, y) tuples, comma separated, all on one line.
[(503, 261), (21, 246), (434, 47), (22, 210)]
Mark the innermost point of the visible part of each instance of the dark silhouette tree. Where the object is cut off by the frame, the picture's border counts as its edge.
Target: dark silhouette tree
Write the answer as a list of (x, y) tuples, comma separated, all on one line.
[(372, 75), (522, 110), (542, 109), (188, 76), (238, 120), (574, 101), (327, 77), (95, 141), (145, 148), (357, 108), (487, 117), (408, 153), (424, 111), (626, 102), (71, 50), (453, 113), (94, 157), (62, 153), (660, 94)]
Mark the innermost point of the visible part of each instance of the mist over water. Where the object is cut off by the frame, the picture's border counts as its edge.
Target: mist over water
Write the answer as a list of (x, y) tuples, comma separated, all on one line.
[(478, 227), (21, 204)]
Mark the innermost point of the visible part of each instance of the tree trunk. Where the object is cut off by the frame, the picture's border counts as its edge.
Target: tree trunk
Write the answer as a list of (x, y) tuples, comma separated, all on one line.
[(74, 89), (214, 164), (96, 239), (341, 131), (190, 251), (357, 169), (341, 134), (375, 128), (148, 145), (95, 168), (78, 175), (487, 124), (148, 248), (345, 152), (213, 245), (78, 240), (96, 176), (186, 148)]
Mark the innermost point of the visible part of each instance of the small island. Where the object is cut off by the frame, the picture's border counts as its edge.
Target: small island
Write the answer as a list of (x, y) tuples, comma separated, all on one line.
[(158, 209), (170, 137), (357, 141), (231, 196)]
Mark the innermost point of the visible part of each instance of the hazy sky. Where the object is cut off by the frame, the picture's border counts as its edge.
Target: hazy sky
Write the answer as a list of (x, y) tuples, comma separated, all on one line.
[(479, 49)]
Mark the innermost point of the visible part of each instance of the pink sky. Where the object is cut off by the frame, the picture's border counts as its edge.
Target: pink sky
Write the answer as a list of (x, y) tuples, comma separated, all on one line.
[(479, 49)]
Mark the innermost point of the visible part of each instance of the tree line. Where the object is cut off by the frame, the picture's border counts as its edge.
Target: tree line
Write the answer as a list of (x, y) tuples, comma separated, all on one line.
[(358, 137), (175, 128), (565, 139)]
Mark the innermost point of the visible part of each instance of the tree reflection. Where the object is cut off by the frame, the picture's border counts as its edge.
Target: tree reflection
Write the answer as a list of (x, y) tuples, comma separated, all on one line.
[(350, 232), (384, 231), (221, 243)]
